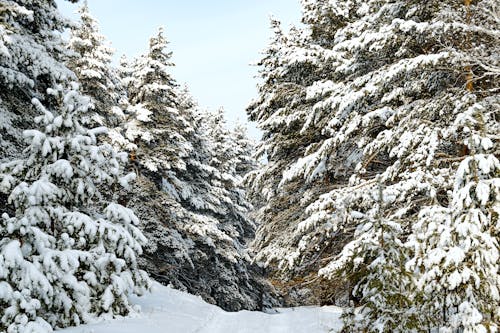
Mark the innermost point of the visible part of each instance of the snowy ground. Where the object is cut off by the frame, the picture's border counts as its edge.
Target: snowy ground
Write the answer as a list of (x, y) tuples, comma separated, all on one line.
[(170, 311)]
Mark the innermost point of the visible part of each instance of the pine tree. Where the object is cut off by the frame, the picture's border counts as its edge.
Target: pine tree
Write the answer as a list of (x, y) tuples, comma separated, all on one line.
[(158, 126), (30, 54), (30, 62), (287, 68), (244, 149), (225, 159), (456, 248), (91, 63), (63, 263), (376, 260), (376, 97), (193, 207)]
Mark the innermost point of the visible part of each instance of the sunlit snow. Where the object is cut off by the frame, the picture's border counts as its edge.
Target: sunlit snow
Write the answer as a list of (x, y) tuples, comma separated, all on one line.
[(166, 310)]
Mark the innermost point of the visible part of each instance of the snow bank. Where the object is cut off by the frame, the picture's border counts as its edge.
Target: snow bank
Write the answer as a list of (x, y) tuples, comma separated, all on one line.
[(166, 310)]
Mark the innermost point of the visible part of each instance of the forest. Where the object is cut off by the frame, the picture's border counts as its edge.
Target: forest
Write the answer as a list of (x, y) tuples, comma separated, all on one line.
[(372, 197)]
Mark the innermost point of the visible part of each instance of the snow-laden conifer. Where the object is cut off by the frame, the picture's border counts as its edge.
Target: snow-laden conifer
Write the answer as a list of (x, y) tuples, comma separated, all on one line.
[(370, 90), (91, 62), (31, 51), (225, 159), (287, 67), (456, 250), (189, 194), (156, 127), (66, 255), (244, 149), (376, 259), (30, 54)]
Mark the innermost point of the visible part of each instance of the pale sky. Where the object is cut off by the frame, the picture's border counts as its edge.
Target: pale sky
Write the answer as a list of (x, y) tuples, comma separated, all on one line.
[(213, 41)]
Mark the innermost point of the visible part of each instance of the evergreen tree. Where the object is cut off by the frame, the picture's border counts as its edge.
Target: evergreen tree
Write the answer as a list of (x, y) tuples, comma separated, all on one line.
[(91, 63), (30, 62), (30, 54), (456, 248), (31, 51), (376, 260), (63, 262), (193, 207), (157, 126), (233, 207), (244, 149), (375, 97), (287, 68)]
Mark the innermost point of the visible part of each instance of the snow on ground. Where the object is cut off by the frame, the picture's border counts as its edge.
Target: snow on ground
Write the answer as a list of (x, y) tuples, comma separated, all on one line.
[(166, 310)]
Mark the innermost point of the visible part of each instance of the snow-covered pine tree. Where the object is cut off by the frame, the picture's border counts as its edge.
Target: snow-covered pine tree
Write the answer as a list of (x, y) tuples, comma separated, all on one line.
[(30, 54), (279, 110), (62, 260), (380, 98), (376, 260), (154, 137), (194, 213), (91, 62), (229, 208), (158, 129), (456, 249), (199, 221), (225, 159), (90, 59), (287, 68), (60, 264), (244, 151), (222, 154)]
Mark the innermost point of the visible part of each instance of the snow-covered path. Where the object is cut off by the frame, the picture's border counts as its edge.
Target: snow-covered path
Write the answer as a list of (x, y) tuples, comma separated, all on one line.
[(170, 311)]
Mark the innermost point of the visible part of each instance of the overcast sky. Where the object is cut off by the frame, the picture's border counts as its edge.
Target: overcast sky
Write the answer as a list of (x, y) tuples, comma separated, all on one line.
[(213, 41)]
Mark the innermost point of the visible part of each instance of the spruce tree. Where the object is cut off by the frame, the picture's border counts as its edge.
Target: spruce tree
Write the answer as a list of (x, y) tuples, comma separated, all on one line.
[(225, 159), (157, 127), (31, 51), (91, 62), (188, 195), (456, 248), (62, 261), (31, 54), (376, 97), (244, 149), (376, 259), (280, 110)]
